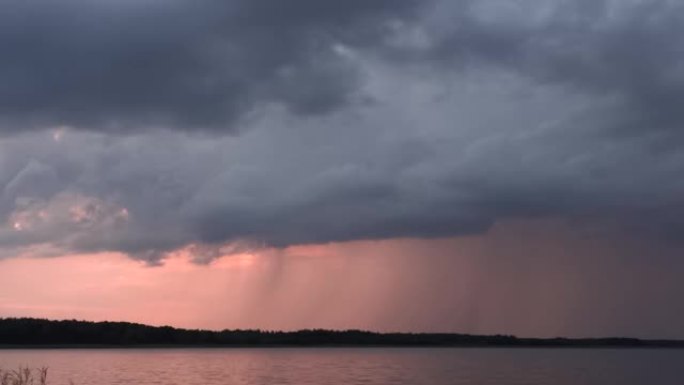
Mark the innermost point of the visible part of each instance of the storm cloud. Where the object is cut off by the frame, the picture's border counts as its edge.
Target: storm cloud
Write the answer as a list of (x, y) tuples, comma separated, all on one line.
[(131, 65), (626, 50), (144, 127)]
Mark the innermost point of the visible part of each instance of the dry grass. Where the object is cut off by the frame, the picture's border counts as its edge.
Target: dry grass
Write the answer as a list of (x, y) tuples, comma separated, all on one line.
[(24, 376)]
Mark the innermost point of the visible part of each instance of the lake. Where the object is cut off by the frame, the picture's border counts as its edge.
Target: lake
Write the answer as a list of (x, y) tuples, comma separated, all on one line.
[(370, 366)]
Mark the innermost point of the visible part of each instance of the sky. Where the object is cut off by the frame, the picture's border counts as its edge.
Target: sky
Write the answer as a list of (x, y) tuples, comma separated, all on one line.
[(480, 166)]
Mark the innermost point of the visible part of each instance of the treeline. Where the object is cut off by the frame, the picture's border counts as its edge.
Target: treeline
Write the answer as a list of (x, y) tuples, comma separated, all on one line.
[(18, 332)]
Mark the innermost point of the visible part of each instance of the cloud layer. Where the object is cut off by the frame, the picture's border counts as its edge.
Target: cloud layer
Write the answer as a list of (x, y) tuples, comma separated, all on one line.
[(144, 127), (131, 65)]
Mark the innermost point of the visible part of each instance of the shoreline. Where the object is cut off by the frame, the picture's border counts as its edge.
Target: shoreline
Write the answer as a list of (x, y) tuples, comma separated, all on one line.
[(31, 333), (336, 346)]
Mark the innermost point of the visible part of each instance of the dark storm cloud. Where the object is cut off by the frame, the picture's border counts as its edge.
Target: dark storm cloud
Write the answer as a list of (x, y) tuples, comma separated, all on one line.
[(122, 65), (482, 111), (627, 50)]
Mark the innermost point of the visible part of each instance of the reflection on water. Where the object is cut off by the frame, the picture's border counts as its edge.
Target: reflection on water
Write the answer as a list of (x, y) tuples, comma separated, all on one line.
[(354, 366)]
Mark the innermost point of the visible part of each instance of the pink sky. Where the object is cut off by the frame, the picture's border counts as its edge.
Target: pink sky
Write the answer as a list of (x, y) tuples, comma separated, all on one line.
[(497, 283)]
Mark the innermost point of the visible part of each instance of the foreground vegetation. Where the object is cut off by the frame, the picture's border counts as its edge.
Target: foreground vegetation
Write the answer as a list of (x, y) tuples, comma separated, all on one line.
[(29, 332), (23, 376)]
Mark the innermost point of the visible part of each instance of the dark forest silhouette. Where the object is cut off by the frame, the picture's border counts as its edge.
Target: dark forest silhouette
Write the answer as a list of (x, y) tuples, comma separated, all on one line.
[(27, 332)]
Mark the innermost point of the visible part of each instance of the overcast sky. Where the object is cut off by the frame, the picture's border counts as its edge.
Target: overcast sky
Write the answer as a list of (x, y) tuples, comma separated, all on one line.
[(144, 128)]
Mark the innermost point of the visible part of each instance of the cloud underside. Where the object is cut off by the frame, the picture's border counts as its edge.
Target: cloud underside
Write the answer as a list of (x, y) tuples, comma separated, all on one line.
[(144, 127)]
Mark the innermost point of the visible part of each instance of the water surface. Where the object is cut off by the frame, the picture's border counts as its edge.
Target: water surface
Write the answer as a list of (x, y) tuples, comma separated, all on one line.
[(370, 366)]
